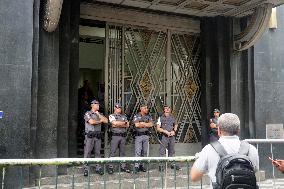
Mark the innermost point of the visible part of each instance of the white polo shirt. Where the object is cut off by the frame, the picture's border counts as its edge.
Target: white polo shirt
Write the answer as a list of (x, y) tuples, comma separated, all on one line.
[(209, 158)]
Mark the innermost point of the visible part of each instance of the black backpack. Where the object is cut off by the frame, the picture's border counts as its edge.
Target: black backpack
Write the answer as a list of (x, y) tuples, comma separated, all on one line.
[(234, 171)]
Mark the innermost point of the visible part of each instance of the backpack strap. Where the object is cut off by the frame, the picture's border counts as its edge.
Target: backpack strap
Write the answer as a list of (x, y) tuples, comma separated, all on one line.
[(244, 148), (219, 148)]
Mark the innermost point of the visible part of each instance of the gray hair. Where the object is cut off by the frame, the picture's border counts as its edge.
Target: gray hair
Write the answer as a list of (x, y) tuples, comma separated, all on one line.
[(229, 123)]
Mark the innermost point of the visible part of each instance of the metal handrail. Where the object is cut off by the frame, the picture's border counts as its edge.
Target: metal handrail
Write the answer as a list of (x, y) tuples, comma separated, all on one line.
[(258, 141), (80, 161)]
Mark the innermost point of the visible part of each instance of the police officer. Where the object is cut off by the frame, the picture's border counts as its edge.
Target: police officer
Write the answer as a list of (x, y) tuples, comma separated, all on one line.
[(167, 126), (93, 122), (143, 122), (213, 126), (119, 124)]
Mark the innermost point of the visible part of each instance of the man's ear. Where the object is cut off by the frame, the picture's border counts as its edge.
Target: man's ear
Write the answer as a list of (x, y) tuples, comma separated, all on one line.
[(239, 131)]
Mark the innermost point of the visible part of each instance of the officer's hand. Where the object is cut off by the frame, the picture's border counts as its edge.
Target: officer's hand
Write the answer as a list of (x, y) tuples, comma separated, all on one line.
[(167, 133), (126, 123), (142, 124), (172, 133)]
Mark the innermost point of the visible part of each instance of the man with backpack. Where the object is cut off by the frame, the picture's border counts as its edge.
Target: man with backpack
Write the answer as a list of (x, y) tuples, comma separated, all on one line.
[(229, 162)]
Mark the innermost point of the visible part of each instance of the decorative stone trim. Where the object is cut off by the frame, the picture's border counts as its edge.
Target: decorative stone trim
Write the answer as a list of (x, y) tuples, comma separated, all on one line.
[(257, 26), (52, 13)]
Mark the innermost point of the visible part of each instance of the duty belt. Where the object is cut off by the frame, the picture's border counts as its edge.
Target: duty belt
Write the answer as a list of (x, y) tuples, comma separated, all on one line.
[(119, 134), (141, 133), (94, 134)]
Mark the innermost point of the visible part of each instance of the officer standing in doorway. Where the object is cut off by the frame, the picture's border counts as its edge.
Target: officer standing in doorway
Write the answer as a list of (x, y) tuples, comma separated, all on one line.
[(93, 123), (119, 124), (167, 126), (143, 122), (213, 126)]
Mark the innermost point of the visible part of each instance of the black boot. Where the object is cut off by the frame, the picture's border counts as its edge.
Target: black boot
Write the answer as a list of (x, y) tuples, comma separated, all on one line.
[(86, 172), (141, 168)]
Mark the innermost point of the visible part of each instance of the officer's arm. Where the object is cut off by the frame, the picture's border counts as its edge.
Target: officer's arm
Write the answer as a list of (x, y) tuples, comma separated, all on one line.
[(139, 124), (148, 125), (94, 122), (213, 125), (126, 124), (173, 132), (120, 124), (103, 119), (159, 129), (89, 119)]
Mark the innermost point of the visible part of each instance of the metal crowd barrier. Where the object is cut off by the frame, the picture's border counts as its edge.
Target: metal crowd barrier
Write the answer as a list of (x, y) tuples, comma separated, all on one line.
[(161, 182)]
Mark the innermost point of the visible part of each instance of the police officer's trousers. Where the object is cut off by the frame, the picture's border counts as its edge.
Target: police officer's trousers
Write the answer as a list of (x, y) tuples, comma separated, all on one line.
[(118, 142), (169, 143), (141, 146), (90, 143)]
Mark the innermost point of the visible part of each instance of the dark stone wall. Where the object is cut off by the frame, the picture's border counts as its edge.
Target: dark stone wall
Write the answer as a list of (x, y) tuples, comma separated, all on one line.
[(38, 79), (226, 76), (269, 85), (16, 47)]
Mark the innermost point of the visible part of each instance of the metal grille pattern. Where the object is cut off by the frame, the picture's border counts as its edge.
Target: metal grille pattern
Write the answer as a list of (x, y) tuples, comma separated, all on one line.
[(114, 66), (156, 67), (186, 86)]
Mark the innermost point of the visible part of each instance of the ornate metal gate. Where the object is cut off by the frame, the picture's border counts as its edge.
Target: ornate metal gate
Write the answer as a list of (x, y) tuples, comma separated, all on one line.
[(157, 67)]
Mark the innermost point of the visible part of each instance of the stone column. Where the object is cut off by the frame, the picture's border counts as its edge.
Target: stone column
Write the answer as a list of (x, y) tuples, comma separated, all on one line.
[(47, 118), (63, 83), (74, 77), (34, 92)]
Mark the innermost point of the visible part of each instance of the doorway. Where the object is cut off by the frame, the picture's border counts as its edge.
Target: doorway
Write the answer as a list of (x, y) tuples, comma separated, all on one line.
[(91, 74), (135, 65)]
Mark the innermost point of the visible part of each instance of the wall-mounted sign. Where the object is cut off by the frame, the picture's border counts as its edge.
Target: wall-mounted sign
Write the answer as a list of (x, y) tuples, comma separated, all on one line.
[(274, 131), (1, 114)]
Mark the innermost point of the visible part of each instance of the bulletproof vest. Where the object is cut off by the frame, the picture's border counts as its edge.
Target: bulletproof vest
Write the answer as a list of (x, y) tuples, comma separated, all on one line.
[(119, 117), (139, 118), (167, 122), (89, 127)]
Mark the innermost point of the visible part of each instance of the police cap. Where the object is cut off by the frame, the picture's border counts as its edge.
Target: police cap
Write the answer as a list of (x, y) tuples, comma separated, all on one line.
[(117, 105), (95, 102), (216, 110)]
